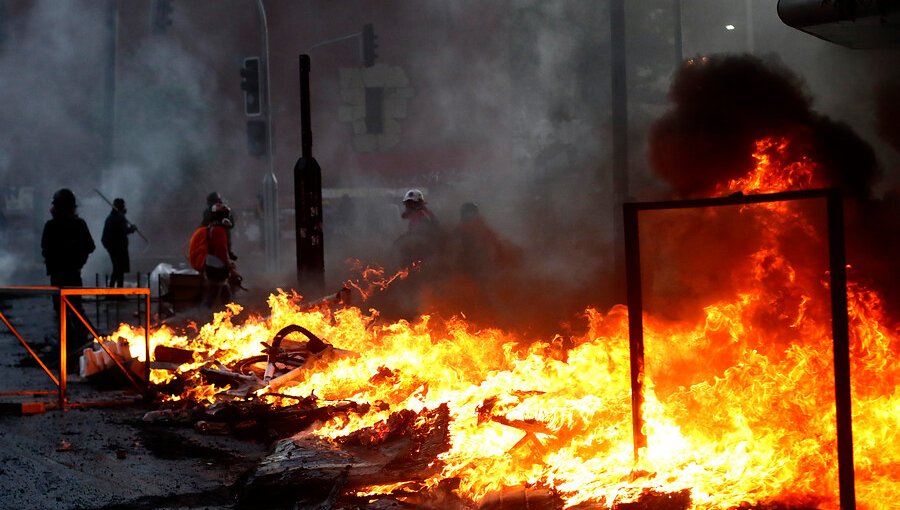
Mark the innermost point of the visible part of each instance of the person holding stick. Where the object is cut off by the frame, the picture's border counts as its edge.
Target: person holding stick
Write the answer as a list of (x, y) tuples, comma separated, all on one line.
[(115, 240)]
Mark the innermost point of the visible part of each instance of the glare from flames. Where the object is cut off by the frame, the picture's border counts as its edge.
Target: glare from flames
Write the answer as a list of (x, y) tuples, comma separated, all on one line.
[(753, 424)]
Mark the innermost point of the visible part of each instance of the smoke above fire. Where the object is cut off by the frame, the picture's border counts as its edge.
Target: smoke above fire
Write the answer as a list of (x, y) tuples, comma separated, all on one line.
[(59, 62), (723, 104), (527, 103)]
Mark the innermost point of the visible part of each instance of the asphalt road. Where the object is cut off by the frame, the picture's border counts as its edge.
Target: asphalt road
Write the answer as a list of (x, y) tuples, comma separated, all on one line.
[(99, 457)]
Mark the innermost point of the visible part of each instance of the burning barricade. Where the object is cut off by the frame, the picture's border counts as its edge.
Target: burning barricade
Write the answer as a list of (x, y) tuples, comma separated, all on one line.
[(739, 408)]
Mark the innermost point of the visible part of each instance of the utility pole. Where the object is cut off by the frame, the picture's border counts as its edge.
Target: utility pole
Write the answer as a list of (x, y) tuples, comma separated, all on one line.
[(748, 6), (679, 42), (109, 82), (308, 200), (619, 109), (270, 182)]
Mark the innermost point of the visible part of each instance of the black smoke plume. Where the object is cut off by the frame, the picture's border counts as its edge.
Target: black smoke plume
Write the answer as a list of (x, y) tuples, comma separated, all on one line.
[(723, 104)]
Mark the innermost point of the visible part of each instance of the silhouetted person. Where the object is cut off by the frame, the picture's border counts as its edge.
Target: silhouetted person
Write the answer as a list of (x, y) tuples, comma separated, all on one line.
[(476, 248), (115, 240), (344, 216), (66, 244)]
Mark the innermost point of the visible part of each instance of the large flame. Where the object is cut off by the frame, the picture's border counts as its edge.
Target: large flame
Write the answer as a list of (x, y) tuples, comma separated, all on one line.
[(739, 398)]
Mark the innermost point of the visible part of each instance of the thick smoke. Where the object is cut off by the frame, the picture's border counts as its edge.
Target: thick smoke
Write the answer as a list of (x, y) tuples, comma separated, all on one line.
[(51, 111), (150, 138), (887, 109), (534, 106), (723, 104)]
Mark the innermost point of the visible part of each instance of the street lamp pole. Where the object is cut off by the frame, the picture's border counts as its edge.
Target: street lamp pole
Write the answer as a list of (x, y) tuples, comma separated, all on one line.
[(748, 9), (270, 182)]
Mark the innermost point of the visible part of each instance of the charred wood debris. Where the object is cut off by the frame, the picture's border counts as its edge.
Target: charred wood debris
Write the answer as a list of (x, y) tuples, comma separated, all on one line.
[(306, 472)]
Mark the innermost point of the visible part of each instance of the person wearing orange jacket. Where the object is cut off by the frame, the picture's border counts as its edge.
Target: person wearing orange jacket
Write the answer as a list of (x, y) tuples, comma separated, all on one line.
[(219, 271)]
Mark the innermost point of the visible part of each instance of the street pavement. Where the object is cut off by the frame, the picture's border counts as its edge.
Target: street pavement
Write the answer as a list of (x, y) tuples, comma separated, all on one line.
[(98, 457)]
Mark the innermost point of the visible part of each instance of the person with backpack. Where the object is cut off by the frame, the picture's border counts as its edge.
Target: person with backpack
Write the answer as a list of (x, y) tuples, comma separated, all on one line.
[(209, 253), (214, 200)]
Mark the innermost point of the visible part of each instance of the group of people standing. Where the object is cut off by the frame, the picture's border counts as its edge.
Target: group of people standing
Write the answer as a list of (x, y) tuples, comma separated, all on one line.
[(66, 242), (463, 268), (471, 247)]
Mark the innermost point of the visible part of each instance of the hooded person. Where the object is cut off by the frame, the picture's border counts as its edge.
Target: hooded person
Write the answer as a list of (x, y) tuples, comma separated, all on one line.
[(115, 239), (66, 243)]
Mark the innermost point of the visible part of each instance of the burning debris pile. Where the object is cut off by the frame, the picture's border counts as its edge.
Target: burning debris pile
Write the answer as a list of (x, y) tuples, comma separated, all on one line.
[(739, 406), (430, 413)]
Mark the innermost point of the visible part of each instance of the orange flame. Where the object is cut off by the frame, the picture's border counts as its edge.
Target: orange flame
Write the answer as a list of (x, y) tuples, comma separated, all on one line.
[(739, 404), (372, 279), (773, 171)]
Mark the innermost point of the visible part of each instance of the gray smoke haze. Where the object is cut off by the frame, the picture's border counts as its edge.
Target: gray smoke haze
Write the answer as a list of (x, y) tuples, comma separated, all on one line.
[(532, 108), (517, 94), (54, 65), (51, 109)]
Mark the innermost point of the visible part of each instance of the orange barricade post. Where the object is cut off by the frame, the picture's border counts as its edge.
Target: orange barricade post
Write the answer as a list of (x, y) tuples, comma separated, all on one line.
[(66, 304)]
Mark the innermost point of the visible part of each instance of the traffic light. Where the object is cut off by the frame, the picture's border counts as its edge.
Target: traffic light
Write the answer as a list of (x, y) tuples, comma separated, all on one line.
[(161, 16), (369, 45), (250, 86)]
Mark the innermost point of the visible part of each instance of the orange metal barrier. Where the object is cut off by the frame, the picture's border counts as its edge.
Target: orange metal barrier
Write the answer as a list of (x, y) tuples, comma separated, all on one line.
[(66, 305)]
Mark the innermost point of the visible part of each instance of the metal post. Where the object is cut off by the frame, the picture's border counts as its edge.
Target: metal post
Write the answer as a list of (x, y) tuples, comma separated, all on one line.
[(96, 300), (308, 200), (839, 316), (679, 43), (63, 308), (841, 335), (748, 7), (635, 324), (147, 340), (270, 182), (112, 36), (619, 108)]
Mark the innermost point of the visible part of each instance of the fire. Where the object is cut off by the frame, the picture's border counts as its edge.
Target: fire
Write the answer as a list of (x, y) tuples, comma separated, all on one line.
[(772, 172), (372, 279), (739, 404)]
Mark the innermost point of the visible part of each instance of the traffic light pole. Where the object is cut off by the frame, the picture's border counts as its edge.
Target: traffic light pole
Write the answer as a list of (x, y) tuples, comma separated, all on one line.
[(367, 44), (270, 182)]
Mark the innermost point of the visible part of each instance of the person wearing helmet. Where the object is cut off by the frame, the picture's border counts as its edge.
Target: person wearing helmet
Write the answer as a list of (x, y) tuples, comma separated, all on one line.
[(219, 270), (423, 235), (416, 212), (214, 200), (115, 239), (66, 243)]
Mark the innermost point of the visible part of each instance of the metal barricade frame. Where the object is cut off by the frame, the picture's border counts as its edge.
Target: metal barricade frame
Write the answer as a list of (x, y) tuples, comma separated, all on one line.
[(64, 294), (837, 265)]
